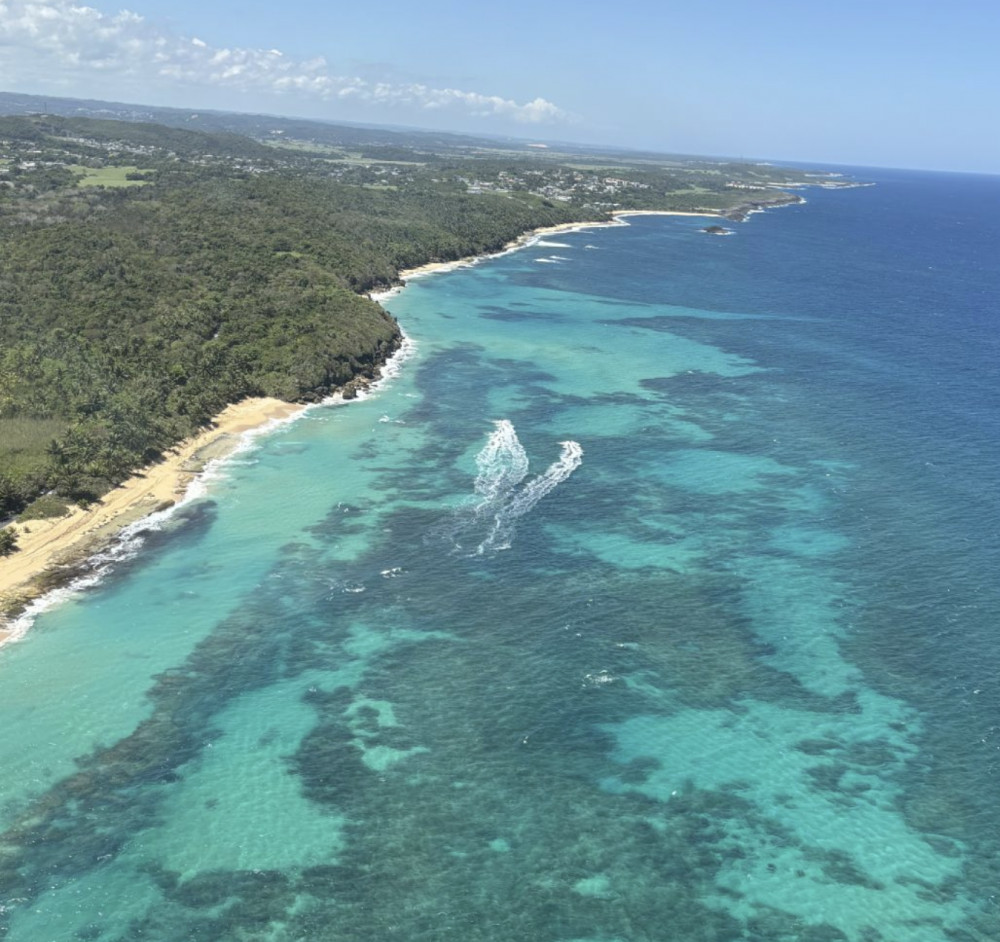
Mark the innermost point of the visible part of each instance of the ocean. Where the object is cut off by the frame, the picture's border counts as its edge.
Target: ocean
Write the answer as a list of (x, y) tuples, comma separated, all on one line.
[(653, 597)]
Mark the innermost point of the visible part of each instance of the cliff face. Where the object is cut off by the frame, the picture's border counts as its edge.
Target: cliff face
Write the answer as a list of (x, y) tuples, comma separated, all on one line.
[(741, 212), (366, 369)]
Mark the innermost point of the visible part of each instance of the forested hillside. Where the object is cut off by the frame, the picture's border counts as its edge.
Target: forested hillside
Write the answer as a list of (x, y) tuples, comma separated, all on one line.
[(147, 281)]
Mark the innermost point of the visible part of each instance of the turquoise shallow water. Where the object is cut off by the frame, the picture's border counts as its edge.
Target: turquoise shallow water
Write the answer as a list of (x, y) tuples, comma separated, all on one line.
[(653, 599)]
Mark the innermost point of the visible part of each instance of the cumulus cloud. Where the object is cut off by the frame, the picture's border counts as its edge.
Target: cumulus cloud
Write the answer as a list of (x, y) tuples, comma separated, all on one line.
[(80, 41)]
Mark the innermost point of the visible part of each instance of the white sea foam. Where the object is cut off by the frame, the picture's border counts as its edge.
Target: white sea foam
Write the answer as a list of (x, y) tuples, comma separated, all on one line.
[(390, 370), (557, 472), (502, 531), (394, 365), (18, 627), (502, 464), (386, 293), (503, 497), (522, 243), (127, 544)]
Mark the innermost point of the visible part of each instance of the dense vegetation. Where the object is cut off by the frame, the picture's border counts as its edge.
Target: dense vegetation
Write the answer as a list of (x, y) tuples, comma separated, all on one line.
[(130, 316)]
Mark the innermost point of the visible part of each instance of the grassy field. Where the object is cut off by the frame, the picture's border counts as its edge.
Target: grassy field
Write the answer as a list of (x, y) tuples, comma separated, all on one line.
[(107, 176), (309, 147), (45, 508), (25, 442), (338, 154)]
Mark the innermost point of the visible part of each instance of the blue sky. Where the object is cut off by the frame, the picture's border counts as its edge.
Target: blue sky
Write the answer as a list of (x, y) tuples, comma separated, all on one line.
[(880, 83)]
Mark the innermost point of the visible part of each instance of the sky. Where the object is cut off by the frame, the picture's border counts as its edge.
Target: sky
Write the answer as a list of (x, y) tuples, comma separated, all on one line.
[(857, 82)]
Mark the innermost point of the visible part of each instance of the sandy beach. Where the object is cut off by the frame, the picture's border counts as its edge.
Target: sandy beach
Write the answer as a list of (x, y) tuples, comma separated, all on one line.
[(526, 239), (662, 212), (618, 219), (48, 547)]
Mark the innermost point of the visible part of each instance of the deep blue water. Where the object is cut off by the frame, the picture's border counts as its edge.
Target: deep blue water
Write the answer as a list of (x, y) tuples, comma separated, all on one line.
[(655, 598)]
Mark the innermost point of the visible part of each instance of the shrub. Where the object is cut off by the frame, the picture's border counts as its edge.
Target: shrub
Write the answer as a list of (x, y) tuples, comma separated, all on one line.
[(8, 541)]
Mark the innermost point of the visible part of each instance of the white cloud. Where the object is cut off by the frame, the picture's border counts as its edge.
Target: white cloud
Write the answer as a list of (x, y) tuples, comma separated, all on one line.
[(75, 42)]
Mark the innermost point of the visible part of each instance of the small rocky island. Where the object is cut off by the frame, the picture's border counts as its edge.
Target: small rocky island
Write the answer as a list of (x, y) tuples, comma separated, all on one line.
[(718, 230)]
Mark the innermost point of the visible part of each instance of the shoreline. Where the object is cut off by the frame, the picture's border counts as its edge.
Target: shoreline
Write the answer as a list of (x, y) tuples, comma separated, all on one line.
[(54, 552), (523, 241), (59, 555), (618, 218)]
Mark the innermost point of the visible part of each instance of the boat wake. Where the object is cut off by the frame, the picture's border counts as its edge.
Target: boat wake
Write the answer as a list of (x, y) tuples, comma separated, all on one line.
[(502, 496)]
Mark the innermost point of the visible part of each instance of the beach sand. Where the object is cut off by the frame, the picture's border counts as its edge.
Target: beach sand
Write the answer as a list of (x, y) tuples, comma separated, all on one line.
[(664, 212), (618, 219), (47, 548)]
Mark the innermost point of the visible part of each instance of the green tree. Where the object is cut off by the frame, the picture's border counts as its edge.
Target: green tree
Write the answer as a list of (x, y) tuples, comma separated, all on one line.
[(8, 541)]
